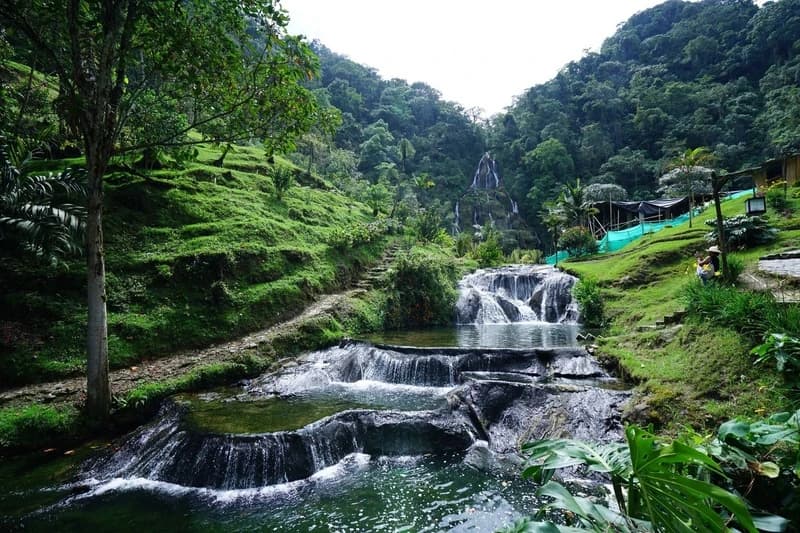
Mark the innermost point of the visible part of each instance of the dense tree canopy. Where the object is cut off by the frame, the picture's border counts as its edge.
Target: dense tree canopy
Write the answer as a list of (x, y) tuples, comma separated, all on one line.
[(136, 75), (721, 74)]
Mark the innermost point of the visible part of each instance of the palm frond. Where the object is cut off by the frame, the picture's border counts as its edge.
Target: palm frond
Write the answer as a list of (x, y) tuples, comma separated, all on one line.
[(35, 211)]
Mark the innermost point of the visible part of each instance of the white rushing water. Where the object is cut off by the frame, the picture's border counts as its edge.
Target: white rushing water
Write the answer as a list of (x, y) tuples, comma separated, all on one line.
[(517, 293)]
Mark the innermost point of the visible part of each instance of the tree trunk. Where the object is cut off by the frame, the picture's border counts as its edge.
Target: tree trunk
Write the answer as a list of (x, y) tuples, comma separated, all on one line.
[(98, 389), (716, 185), (221, 159)]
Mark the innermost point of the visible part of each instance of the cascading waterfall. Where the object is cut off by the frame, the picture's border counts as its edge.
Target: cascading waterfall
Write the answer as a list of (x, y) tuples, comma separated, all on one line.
[(486, 175), (175, 450), (485, 200), (518, 293), (335, 419), (172, 451)]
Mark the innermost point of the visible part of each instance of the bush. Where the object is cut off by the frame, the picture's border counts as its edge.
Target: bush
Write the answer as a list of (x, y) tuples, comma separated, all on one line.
[(489, 253), (356, 234), (530, 257), (735, 268), (282, 179), (427, 225), (743, 231), (578, 241), (444, 240), (776, 196), (422, 290), (464, 244), (590, 301), (754, 314)]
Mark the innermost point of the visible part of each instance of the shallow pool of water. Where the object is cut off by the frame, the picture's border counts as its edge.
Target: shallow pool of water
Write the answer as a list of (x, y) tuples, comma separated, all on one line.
[(360, 493), (399, 494), (516, 335)]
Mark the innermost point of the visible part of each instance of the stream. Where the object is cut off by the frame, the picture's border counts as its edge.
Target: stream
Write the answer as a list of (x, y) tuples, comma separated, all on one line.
[(403, 431)]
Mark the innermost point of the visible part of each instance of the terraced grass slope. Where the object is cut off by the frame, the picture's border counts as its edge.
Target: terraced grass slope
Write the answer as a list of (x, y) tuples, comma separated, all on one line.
[(194, 255), (698, 373)]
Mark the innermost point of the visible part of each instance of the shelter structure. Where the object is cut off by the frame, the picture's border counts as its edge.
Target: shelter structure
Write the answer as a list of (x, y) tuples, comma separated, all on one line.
[(786, 168), (619, 215)]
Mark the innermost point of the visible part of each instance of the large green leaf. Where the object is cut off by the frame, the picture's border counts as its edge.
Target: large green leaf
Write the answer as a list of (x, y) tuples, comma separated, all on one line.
[(672, 500), (560, 453), (591, 515)]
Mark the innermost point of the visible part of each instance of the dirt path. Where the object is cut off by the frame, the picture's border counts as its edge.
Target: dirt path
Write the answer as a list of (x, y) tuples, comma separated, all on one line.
[(123, 380)]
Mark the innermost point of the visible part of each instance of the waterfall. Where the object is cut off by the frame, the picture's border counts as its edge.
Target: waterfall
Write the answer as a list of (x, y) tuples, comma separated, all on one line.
[(173, 451), (495, 395), (519, 293), (486, 175), (486, 201), (440, 367)]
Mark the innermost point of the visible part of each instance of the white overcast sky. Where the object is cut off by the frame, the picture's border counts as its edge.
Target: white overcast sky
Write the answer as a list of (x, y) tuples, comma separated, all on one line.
[(476, 53)]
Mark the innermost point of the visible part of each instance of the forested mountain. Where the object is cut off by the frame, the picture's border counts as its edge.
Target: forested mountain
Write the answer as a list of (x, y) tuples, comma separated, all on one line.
[(411, 146), (721, 74), (718, 74)]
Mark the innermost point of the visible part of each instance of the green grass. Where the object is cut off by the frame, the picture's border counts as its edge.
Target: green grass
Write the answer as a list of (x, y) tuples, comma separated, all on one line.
[(36, 425), (195, 255), (701, 373)]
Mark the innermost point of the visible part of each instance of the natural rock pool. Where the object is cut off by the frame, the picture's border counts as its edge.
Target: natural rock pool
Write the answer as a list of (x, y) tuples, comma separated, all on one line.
[(415, 431)]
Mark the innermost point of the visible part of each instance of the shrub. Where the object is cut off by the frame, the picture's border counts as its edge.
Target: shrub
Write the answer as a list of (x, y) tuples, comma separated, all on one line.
[(356, 234), (587, 292), (776, 196), (444, 240), (783, 349), (735, 268), (464, 244), (489, 253), (754, 314), (578, 241), (427, 225), (531, 257), (282, 179), (422, 290), (743, 231)]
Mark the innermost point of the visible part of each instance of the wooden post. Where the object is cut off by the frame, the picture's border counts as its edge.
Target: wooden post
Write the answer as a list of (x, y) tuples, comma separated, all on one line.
[(717, 182)]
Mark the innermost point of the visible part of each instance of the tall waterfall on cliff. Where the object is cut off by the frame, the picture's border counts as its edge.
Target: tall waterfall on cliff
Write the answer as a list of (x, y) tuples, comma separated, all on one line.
[(486, 200), (518, 293)]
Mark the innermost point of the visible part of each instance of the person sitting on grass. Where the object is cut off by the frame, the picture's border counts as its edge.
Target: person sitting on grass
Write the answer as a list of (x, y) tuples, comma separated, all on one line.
[(708, 267)]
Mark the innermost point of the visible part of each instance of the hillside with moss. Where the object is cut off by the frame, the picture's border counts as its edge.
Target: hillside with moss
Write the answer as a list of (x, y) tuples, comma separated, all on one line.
[(196, 255), (698, 371)]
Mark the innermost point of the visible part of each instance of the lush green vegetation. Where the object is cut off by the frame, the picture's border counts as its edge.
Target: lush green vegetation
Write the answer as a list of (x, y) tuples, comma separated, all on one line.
[(422, 289), (673, 78), (689, 484), (218, 225), (701, 373), (196, 255)]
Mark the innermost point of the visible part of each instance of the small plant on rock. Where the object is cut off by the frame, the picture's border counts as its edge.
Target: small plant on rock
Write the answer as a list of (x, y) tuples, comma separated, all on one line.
[(587, 292)]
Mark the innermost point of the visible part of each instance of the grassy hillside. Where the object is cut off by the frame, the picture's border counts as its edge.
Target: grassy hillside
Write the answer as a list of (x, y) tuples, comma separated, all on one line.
[(195, 255), (699, 373)]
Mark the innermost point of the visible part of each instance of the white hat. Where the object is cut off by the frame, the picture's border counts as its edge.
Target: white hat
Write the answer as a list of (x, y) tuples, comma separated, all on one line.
[(714, 249)]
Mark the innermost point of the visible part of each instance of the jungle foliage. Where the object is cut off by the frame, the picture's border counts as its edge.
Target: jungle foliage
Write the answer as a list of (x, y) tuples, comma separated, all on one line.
[(681, 75)]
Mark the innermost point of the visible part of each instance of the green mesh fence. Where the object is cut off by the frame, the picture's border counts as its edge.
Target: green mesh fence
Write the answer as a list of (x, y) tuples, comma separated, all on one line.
[(615, 240)]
